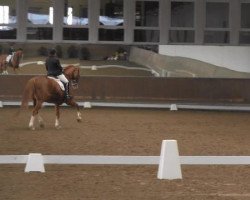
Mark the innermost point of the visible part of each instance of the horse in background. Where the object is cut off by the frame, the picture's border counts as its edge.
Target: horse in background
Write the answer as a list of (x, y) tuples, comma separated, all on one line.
[(14, 61), (44, 89)]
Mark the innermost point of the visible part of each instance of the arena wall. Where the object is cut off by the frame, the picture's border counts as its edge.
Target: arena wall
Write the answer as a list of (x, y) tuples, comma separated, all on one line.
[(172, 62), (144, 89), (231, 57)]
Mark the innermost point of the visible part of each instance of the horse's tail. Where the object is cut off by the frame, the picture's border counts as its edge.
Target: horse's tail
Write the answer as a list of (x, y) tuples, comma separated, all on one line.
[(27, 95)]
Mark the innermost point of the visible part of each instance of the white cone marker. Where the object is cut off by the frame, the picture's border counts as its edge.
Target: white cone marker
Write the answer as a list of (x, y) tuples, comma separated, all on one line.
[(35, 163), (169, 165), (173, 107)]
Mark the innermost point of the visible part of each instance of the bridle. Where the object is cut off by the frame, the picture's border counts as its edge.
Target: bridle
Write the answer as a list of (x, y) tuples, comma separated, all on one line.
[(75, 78)]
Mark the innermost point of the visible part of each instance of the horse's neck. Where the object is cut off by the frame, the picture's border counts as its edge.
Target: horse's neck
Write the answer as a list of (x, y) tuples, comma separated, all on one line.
[(68, 72), (15, 59)]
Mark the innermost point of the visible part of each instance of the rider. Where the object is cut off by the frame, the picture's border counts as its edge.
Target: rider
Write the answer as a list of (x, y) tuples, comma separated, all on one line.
[(55, 69), (10, 53)]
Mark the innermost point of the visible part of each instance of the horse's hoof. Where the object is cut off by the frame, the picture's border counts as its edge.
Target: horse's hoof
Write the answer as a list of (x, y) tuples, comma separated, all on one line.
[(32, 128), (58, 127), (79, 120), (42, 126)]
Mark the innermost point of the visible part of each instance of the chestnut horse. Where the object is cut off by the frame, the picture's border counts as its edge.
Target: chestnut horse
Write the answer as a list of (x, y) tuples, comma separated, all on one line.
[(14, 62), (44, 89)]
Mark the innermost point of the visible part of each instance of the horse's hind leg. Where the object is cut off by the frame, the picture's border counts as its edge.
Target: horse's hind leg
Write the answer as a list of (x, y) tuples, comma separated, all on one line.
[(40, 119), (57, 123), (37, 107)]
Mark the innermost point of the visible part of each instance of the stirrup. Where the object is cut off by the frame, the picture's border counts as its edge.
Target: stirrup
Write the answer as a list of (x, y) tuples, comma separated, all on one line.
[(67, 97)]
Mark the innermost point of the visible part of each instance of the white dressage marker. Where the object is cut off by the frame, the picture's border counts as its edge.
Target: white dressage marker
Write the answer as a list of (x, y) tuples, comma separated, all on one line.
[(169, 166), (93, 67), (173, 107), (35, 163), (40, 63), (87, 105)]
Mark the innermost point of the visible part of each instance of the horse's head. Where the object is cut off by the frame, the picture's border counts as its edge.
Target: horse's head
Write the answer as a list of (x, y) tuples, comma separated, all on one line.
[(73, 75), (19, 53)]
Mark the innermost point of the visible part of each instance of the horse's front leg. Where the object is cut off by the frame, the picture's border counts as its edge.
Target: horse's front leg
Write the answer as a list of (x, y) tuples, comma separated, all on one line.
[(31, 123), (15, 70), (5, 69), (71, 102), (57, 123), (40, 121)]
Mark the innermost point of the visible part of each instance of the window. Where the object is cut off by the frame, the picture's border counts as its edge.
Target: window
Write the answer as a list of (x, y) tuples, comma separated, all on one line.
[(181, 36), (216, 37), (182, 22), (8, 20), (217, 15), (75, 33), (217, 23), (111, 13), (245, 24), (146, 36), (244, 37), (182, 14), (147, 13), (111, 20), (40, 20), (75, 21), (146, 21), (76, 12), (40, 12), (111, 34), (245, 15)]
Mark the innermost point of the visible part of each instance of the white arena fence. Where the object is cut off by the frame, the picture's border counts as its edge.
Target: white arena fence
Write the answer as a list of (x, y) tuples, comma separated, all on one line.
[(172, 107), (169, 162)]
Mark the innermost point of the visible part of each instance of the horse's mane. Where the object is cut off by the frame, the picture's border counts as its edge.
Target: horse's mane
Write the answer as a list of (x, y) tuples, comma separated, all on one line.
[(68, 67)]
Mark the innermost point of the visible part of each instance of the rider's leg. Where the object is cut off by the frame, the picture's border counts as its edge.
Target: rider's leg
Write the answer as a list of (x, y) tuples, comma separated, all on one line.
[(66, 83)]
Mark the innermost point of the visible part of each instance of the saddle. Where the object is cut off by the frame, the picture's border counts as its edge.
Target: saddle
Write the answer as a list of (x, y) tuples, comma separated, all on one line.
[(58, 82)]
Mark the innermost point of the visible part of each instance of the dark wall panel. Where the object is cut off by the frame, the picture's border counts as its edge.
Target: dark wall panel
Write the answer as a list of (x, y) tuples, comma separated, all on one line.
[(144, 89)]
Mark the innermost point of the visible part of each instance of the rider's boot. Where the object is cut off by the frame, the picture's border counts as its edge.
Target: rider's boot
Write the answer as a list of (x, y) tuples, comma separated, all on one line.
[(67, 96)]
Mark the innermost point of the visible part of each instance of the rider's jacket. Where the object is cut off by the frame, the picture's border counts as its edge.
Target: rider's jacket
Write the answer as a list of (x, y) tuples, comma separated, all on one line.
[(11, 50), (53, 66)]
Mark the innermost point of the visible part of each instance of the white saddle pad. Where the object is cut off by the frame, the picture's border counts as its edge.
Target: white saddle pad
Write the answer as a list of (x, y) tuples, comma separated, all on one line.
[(8, 58), (58, 81)]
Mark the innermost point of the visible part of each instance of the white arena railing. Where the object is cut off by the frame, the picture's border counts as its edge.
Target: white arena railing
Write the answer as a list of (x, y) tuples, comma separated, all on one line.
[(169, 161), (172, 107)]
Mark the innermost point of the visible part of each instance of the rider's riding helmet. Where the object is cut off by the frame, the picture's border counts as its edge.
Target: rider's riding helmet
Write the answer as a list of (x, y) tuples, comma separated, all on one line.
[(52, 52)]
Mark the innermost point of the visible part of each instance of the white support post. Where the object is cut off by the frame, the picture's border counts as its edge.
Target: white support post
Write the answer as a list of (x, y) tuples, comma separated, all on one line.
[(169, 165), (35, 163), (173, 107), (87, 105)]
